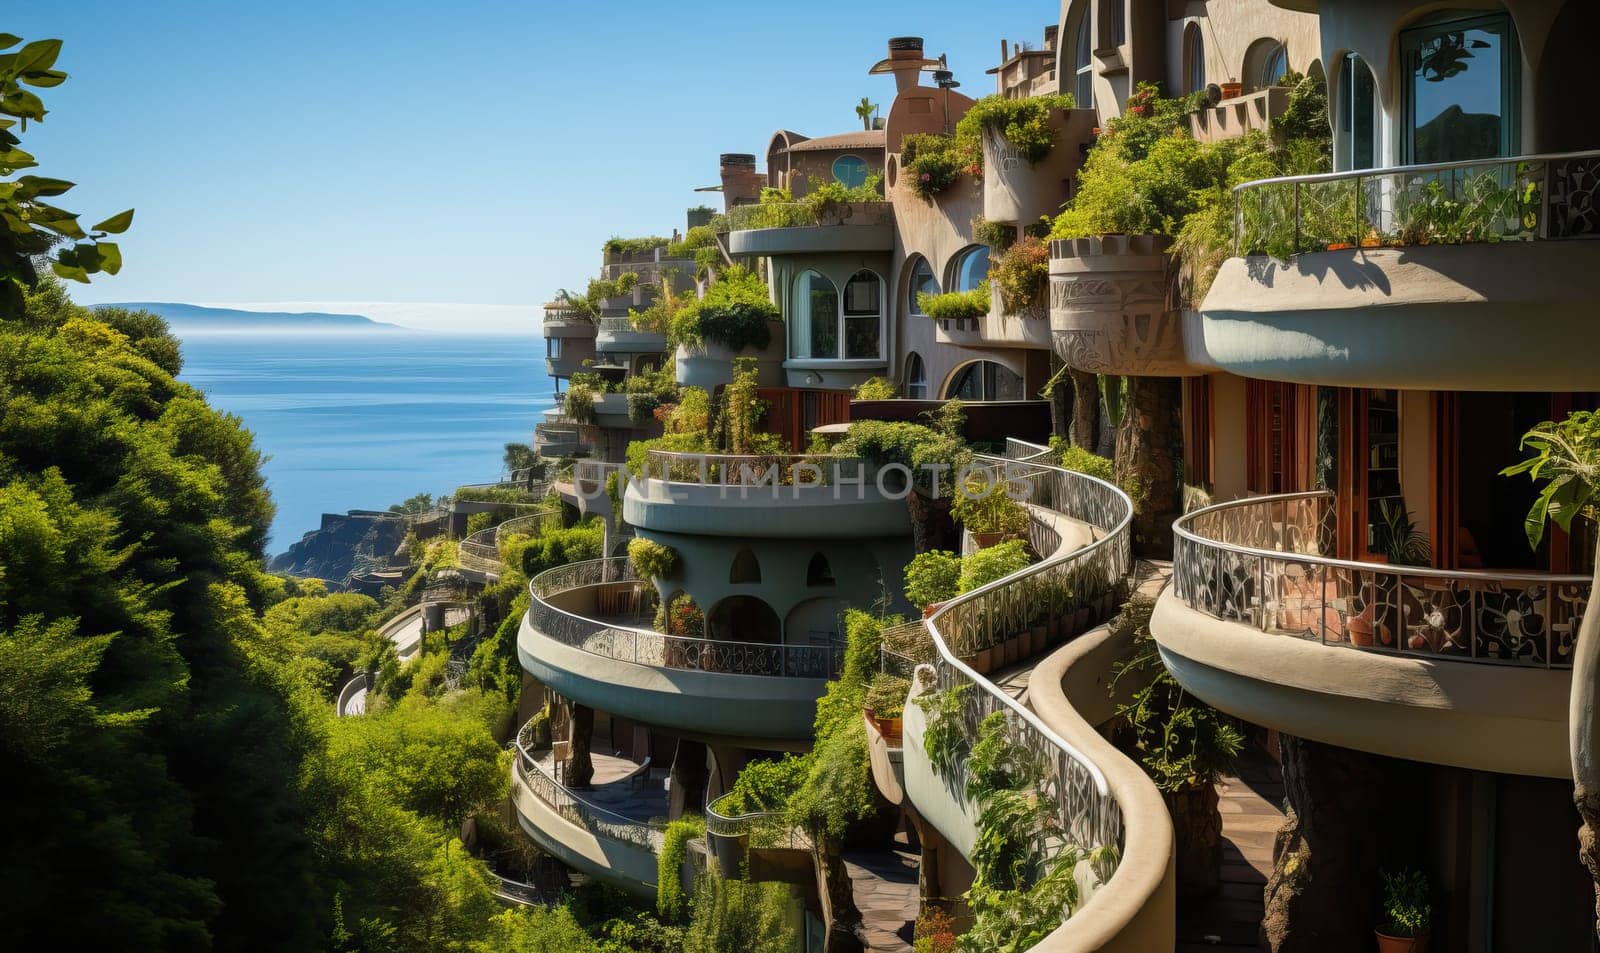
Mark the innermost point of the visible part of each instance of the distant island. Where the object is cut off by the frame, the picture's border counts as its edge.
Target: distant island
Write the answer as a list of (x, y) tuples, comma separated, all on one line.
[(193, 317)]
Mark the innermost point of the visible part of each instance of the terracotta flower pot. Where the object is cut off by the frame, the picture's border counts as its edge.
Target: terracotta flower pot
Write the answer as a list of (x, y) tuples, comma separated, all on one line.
[(1401, 944), (1232, 90), (1010, 651), (985, 540), (982, 661), (890, 728), (1339, 246), (1038, 639)]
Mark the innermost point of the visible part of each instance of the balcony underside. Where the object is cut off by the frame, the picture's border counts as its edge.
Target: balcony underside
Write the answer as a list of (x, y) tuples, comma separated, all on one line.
[(630, 342), (755, 710), (1511, 316), (1480, 716), (784, 512), (625, 866)]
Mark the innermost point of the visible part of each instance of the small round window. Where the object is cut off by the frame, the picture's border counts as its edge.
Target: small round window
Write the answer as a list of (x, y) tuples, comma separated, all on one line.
[(850, 171)]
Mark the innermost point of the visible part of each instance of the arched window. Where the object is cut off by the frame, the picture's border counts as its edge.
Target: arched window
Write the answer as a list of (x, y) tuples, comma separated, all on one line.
[(984, 380), (1358, 115), (1083, 60), (814, 323), (863, 315), (970, 268), (1264, 64), (818, 572), (850, 171), (922, 282), (916, 377), (1194, 58), (746, 568)]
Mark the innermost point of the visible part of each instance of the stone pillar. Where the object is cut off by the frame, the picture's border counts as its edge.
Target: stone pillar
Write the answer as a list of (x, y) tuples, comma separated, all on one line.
[(580, 767), (1085, 410), (1145, 463), (689, 778), (1335, 838)]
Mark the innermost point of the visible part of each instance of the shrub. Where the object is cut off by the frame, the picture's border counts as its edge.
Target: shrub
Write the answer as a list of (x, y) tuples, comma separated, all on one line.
[(652, 560), (1024, 123), (765, 786), (684, 618), (1022, 274), (987, 508), (1406, 910), (996, 562), (997, 235), (933, 577), (1079, 460), (670, 900), (955, 305), (930, 163), (886, 696), (876, 388), (578, 405), (733, 313), (633, 246)]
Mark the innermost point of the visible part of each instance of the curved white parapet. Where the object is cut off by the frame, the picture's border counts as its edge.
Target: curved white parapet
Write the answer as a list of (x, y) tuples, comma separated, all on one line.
[(1500, 317), (940, 801), (1482, 717), (809, 239), (709, 365), (1468, 668), (784, 512), (628, 866)]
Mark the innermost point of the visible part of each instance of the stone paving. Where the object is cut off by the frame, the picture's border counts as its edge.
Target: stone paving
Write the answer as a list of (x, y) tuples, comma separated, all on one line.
[(885, 887), (642, 798), (1252, 811)]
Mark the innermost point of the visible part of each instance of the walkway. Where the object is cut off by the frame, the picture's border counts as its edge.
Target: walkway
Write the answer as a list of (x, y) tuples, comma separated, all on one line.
[(619, 787), (885, 887), (1252, 812)]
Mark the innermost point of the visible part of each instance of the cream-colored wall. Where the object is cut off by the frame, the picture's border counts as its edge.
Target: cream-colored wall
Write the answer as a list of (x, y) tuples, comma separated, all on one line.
[(1228, 437), (1228, 28)]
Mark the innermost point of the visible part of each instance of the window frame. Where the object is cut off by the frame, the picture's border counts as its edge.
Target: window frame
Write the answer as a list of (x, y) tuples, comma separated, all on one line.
[(803, 324), (1410, 40), (916, 384), (958, 262), (1083, 59), (1352, 67), (866, 170)]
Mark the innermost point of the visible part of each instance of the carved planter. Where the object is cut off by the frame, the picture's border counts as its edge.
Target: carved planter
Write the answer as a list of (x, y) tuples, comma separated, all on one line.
[(1015, 190), (1109, 307)]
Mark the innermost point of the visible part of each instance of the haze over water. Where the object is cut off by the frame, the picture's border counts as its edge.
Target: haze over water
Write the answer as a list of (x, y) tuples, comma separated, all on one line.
[(366, 419)]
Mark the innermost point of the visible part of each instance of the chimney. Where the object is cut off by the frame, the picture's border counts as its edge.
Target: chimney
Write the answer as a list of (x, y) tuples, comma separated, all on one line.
[(905, 61), (741, 184), (1050, 33), (1005, 51)]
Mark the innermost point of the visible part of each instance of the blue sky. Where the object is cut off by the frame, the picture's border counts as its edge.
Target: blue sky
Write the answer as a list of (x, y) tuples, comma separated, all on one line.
[(473, 153)]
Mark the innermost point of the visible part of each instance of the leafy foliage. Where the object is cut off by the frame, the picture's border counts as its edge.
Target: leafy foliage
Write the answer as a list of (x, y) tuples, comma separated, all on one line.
[(1079, 460), (931, 577), (1566, 462), (670, 899), (876, 388), (1022, 273), (735, 916), (931, 163), (996, 562), (1406, 909), (733, 313), (1024, 123), (886, 695), (633, 246), (987, 508), (652, 560), (955, 305)]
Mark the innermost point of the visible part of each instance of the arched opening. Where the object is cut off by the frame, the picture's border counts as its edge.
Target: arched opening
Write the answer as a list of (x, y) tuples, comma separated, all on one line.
[(1081, 66), (921, 281), (1265, 62), (814, 321), (746, 568), (1194, 59), (1357, 109), (1459, 88), (818, 572), (1565, 69), (916, 377), (863, 315), (984, 380), (969, 268), (850, 171), (816, 622), (744, 619)]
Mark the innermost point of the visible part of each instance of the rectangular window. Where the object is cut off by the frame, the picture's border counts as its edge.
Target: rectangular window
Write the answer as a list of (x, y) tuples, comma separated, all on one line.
[(552, 348), (1460, 84)]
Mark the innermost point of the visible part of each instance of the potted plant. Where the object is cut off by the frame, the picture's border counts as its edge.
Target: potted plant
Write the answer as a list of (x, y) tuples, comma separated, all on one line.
[(1232, 89), (886, 700), (1402, 543), (989, 514), (1406, 913)]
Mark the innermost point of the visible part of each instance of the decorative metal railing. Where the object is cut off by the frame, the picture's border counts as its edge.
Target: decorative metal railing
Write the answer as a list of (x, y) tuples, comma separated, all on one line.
[(656, 649), (1090, 581), (589, 476), (592, 817), (483, 547), (1523, 198), (903, 647), (754, 470), (1258, 562), (809, 214), (765, 829)]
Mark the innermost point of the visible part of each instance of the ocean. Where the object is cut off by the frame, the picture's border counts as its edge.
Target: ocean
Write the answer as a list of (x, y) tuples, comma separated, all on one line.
[(367, 419)]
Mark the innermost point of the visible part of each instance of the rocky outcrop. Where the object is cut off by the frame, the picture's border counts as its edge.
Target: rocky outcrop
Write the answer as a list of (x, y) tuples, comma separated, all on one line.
[(344, 544)]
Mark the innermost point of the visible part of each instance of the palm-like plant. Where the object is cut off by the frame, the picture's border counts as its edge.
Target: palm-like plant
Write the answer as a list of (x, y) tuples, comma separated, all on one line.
[(865, 109)]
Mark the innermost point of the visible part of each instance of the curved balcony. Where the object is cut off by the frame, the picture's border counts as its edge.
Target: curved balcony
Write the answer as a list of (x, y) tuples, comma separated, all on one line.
[(1457, 667), (612, 832), (1454, 276), (481, 550), (765, 844), (582, 636), (1086, 809), (773, 497), (619, 336), (554, 440), (1109, 310), (799, 228)]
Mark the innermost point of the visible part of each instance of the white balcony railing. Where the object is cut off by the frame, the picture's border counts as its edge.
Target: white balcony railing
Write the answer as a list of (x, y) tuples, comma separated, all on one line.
[(1258, 562)]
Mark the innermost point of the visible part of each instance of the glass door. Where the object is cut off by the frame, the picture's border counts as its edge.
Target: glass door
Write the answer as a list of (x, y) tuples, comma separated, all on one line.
[(1460, 89)]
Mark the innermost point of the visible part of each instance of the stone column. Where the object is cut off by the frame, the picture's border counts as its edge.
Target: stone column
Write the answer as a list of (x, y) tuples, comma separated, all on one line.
[(689, 777), (1085, 410), (580, 766)]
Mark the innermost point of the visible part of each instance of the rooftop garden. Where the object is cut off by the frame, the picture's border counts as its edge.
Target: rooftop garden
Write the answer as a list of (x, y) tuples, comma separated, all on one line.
[(616, 247), (932, 163), (825, 204)]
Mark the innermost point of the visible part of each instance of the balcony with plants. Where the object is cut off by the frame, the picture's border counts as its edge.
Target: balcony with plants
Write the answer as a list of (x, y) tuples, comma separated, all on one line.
[(734, 319), (831, 218), (1463, 667), (1011, 308), (1472, 275)]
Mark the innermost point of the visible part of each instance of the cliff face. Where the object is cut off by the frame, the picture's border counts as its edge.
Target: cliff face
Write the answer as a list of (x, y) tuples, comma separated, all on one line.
[(356, 541)]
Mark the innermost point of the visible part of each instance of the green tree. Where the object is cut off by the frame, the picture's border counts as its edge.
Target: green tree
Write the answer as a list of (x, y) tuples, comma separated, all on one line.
[(864, 111)]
